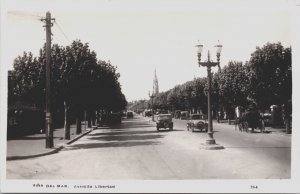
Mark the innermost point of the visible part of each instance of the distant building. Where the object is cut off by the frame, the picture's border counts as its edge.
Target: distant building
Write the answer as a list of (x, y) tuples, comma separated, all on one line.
[(155, 85)]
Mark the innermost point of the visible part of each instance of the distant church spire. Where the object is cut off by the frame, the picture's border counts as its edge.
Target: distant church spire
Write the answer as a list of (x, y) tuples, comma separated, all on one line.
[(155, 84)]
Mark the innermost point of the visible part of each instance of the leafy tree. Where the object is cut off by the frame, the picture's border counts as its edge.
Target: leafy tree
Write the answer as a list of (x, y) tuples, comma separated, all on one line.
[(271, 68), (265, 80), (78, 82), (271, 80), (233, 84), (199, 95), (28, 82)]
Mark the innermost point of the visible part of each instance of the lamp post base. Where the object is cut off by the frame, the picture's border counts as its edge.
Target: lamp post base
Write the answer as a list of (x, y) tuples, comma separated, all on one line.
[(210, 144), (212, 147)]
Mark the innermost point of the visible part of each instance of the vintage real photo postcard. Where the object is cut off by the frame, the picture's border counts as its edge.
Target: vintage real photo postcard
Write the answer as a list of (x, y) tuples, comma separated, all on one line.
[(162, 96)]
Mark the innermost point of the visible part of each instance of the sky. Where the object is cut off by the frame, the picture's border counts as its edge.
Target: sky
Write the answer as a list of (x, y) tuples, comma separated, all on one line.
[(140, 37)]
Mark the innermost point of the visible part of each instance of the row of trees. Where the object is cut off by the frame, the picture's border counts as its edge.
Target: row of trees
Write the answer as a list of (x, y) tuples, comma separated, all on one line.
[(265, 80), (79, 82)]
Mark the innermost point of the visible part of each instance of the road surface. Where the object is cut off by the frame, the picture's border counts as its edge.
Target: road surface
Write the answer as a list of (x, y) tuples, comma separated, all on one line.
[(136, 151)]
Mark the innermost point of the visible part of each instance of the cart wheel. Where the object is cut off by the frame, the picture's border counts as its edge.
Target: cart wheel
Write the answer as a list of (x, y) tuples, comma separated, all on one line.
[(246, 126), (262, 127), (240, 127)]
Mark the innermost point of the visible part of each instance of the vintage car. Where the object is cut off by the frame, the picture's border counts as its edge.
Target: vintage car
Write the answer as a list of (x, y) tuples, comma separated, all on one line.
[(197, 121), (164, 121), (267, 118), (184, 115), (177, 114), (129, 114)]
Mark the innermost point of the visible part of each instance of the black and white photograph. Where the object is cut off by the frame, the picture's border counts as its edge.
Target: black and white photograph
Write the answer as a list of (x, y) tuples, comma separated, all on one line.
[(162, 96)]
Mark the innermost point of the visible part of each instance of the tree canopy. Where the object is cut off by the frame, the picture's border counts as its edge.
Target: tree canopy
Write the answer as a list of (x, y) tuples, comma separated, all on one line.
[(265, 80), (79, 81)]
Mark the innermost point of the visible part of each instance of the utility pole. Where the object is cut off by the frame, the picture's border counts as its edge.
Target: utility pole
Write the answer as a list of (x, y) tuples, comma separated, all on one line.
[(48, 123)]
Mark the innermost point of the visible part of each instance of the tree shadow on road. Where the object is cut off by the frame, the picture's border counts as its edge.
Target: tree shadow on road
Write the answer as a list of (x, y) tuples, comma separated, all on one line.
[(131, 125), (178, 130), (198, 131), (168, 130), (122, 132), (36, 137), (124, 137), (111, 144)]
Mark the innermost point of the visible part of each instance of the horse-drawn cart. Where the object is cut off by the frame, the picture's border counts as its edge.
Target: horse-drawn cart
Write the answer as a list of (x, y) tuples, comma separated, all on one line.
[(250, 119)]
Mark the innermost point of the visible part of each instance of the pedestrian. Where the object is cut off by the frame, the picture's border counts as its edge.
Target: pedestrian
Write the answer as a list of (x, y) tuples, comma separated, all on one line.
[(237, 116)]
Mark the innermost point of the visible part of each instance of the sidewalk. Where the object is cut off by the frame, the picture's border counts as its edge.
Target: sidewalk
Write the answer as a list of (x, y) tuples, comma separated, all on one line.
[(34, 145), (280, 131)]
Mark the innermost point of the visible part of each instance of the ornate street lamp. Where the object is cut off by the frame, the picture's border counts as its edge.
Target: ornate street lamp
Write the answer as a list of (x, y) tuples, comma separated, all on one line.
[(210, 142)]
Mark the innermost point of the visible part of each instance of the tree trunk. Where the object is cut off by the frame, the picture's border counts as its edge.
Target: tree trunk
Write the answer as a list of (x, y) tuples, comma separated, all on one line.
[(97, 118), (89, 118), (288, 125), (229, 117), (78, 122), (67, 123), (287, 110), (93, 116)]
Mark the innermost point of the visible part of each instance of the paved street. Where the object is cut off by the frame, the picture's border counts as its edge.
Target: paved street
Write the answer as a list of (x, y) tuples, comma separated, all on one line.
[(135, 150)]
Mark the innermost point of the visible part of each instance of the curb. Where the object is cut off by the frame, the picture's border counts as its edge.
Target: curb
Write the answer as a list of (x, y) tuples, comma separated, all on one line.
[(55, 150), (280, 133)]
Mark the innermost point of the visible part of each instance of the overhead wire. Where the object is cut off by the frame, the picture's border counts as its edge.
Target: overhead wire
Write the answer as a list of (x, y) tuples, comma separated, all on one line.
[(24, 15), (60, 29)]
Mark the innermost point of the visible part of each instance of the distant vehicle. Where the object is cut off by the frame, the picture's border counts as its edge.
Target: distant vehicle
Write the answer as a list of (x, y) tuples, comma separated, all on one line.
[(164, 121), (267, 117), (177, 114), (197, 121), (253, 120), (129, 114), (184, 115), (162, 112), (114, 118), (148, 113)]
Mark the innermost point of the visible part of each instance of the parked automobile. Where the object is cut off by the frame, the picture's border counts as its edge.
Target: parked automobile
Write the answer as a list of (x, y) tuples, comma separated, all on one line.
[(162, 112), (267, 117), (184, 115), (114, 118), (197, 121), (177, 114), (164, 121), (129, 114), (148, 113)]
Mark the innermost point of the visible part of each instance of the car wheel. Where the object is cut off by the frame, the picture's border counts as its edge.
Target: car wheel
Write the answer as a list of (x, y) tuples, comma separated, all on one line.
[(193, 128), (166, 125)]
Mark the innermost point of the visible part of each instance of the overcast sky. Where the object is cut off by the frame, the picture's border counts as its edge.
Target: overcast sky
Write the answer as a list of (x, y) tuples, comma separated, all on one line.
[(140, 36)]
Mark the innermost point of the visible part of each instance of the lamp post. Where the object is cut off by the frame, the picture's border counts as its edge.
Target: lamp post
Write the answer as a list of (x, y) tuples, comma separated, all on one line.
[(210, 142), (151, 97)]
